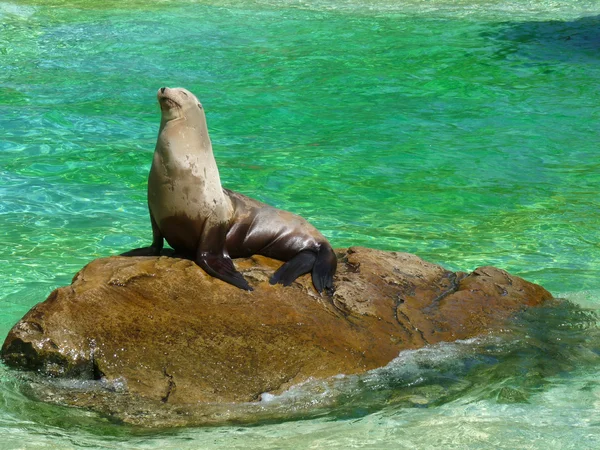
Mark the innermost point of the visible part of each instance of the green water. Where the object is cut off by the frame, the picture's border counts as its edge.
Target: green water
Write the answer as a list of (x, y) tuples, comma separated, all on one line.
[(463, 131)]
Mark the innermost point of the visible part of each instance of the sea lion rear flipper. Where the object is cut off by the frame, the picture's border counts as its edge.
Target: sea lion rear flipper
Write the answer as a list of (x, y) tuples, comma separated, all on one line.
[(324, 269), (298, 265), (221, 266)]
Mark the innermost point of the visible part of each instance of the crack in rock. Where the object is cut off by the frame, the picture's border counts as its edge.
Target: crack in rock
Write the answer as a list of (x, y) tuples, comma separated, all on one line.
[(170, 387)]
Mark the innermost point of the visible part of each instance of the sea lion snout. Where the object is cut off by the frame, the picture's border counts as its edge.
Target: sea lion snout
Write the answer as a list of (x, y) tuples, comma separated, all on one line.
[(178, 102), (177, 95), (162, 92), (170, 102)]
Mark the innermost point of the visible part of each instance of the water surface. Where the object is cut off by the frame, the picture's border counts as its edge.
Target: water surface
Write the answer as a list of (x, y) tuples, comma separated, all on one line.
[(465, 132)]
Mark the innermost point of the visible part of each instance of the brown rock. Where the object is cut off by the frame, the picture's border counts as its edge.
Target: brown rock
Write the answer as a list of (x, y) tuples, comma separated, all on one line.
[(170, 334)]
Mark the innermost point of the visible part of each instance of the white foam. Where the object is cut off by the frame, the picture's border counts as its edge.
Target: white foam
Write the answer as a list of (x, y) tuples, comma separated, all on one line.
[(586, 299), (10, 9), (535, 10)]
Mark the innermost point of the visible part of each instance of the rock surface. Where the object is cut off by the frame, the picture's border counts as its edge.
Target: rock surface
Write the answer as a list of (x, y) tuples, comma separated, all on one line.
[(170, 334)]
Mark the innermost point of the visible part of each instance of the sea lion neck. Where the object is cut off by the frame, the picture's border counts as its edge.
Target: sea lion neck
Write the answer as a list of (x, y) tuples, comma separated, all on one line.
[(187, 134)]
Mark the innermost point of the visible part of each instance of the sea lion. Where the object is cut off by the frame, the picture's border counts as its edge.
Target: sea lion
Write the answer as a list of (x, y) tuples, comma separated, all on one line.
[(202, 221)]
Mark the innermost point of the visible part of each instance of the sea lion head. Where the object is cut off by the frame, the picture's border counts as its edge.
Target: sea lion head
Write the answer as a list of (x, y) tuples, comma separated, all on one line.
[(178, 103)]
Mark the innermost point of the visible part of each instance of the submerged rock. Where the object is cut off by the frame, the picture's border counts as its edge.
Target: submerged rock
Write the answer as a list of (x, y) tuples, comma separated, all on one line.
[(160, 336)]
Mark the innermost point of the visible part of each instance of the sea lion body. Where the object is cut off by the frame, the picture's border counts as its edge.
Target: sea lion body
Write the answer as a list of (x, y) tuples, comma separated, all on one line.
[(201, 220), (260, 229)]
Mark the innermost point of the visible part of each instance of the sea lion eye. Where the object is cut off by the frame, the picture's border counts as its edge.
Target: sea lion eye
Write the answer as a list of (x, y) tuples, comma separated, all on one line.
[(184, 93)]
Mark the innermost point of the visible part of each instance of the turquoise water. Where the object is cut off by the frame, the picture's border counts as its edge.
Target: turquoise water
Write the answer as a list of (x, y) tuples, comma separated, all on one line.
[(465, 132)]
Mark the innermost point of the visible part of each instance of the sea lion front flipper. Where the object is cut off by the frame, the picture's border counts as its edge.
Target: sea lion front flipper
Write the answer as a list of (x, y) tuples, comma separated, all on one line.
[(155, 248), (221, 266), (298, 265), (213, 257), (142, 251), (324, 269)]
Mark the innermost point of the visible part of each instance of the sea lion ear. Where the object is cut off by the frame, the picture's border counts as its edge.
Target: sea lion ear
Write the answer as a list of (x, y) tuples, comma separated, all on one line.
[(199, 106)]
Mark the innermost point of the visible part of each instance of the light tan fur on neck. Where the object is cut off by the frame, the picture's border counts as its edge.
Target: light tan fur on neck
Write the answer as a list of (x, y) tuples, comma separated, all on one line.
[(184, 161)]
